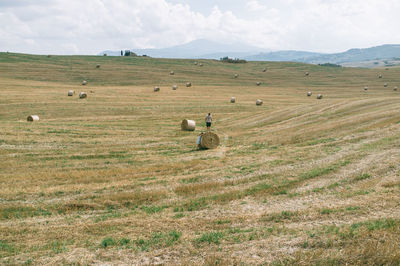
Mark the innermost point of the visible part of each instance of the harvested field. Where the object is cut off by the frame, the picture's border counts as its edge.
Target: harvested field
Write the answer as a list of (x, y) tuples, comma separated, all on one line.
[(113, 179)]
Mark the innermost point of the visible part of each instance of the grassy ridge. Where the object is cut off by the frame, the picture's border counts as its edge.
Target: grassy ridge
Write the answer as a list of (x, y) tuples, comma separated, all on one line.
[(116, 180)]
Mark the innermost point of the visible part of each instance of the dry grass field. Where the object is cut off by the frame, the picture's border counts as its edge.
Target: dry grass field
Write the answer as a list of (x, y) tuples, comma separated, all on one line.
[(112, 179)]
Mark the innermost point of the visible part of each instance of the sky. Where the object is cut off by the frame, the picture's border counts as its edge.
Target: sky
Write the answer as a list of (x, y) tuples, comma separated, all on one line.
[(92, 26)]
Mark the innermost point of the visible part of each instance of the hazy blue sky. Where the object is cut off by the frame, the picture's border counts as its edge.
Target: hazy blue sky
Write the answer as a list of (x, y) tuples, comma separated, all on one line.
[(91, 26)]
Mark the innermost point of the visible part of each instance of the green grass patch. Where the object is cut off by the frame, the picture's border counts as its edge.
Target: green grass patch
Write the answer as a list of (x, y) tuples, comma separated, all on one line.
[(210, 238)]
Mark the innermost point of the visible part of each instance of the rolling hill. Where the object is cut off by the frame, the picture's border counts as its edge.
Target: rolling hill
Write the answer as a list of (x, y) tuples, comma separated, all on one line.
[(112, 179)]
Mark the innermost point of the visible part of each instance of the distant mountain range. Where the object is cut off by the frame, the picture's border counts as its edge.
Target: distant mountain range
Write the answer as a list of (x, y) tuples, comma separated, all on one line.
[(368, 57), (199, 49)]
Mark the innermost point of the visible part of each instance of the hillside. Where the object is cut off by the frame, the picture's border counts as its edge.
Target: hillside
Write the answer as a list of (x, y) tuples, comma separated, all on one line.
[(377, 56), (112, 179)]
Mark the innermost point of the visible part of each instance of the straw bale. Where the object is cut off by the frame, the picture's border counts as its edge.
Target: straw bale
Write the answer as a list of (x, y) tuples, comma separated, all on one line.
[(188, 125), (209, 140), (32, 118)]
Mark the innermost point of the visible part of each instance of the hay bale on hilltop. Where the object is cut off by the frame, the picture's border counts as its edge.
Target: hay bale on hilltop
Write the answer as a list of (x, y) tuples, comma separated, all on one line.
[(104, 54), (71, 93), (172, 73), (174, 87), (259, 102), (385, 85), (82, 95), (156, 89), (319, 96), (84, 82), (32, 118), (233, 99), (258, 83), (188, 125), (309, 93), (188, 84), (209, 140)]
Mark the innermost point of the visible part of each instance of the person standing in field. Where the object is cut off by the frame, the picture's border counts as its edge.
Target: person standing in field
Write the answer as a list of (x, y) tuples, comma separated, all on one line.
[(208, 121)]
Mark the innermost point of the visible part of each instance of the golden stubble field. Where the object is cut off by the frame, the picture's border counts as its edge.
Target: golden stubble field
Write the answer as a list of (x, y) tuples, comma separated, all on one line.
[(112, 179)]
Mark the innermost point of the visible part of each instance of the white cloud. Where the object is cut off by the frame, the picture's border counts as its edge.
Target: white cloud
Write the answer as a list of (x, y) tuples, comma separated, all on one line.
[(88, 27), (254, 5)]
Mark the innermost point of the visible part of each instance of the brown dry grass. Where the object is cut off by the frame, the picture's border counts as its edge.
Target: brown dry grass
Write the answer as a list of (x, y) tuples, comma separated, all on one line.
[(113, 179)]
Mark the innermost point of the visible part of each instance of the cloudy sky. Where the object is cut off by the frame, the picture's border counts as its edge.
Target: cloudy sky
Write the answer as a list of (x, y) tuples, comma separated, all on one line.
[(92, 26)]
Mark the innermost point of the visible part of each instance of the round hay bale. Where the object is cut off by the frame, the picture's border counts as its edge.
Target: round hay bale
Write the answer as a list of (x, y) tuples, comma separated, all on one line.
[(236, 75), (258, 83), (259, 102), (97, 66), (188, 84), (84, 82), (82, 95), (49, 56), (309, 93), (265, 70), (156, 88), (71, 92), (319, 96), (195, 63), (188, 125), (395, 88), (233, 99), (91, 91), (174, 87), (307, 73), (209, 140), (104, 54), (201, 64), (365, 88), (171, 73), (32, 118), (380, 76), (385, 85)]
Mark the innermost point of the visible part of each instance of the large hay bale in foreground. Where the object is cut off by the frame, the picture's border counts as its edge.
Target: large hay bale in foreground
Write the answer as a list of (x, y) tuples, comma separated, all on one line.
[(188, 125), (309, 93), (84, 82), (32, 118), (233, 99), (259, 102), (319, 96), (156, 89), (209, 140), (71, 93), (82, 95), (174, 87), (188, 84)]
